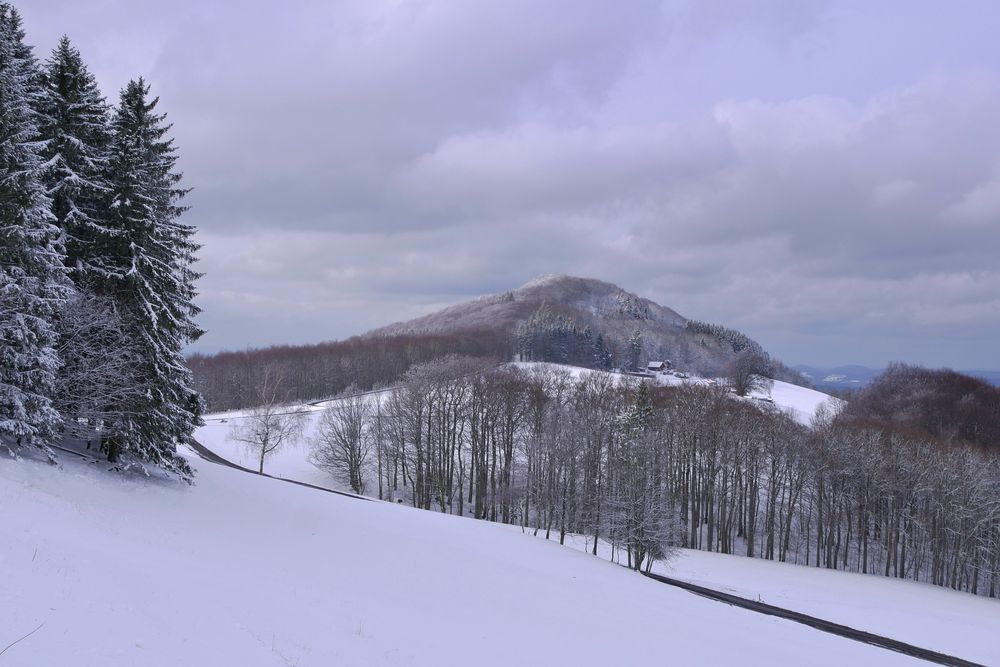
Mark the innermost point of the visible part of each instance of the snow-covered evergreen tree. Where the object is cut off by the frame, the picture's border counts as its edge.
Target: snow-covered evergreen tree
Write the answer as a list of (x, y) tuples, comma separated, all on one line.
[(145, 262), (602, 355), (639, 505), (76, 130), (31, 281), (738, 340), (99, 381)]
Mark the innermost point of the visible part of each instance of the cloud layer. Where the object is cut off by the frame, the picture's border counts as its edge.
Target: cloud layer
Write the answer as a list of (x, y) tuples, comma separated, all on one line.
[(826, 178)]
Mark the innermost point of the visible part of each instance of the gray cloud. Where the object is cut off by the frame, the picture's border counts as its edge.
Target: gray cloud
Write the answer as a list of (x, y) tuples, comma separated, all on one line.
[(822, 174)]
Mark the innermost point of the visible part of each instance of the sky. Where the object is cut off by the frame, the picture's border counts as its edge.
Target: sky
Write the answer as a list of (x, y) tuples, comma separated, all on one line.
[(823, 175)]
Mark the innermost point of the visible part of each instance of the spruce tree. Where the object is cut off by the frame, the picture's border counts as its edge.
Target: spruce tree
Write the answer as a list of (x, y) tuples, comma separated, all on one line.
[(31, 282), (145, 259), (602, 355), (75, 127)]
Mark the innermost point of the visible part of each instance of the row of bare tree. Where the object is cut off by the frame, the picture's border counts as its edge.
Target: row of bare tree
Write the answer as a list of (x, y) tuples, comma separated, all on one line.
[(649, 468)]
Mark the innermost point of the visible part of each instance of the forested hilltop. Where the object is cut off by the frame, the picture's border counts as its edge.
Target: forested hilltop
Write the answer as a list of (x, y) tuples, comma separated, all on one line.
[(560, 319), (944, 404), (96, 283)]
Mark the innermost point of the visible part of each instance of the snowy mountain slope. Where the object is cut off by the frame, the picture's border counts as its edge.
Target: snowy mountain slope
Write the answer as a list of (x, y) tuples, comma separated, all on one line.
[(245, 570), (800, 402), (581, 296), (605, 308)]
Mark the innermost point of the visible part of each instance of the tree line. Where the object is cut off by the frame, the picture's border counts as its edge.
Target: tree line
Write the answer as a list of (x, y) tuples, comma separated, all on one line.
[(96, 278), (650, 468), (232, 380)]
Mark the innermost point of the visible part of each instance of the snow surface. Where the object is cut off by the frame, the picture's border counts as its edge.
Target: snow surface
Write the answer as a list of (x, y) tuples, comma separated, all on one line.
[(289, 462), (801, 402), (927, 616), (244, 570)]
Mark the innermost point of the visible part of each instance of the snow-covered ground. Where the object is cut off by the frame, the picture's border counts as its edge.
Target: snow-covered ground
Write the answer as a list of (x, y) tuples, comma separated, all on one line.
[(928, 616), (800, 402), (244, 570), (289, 462)]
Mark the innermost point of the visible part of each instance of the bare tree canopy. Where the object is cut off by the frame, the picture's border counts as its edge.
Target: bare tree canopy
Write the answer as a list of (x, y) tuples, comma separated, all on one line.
[(343, 439), (271, 425), (747, 372)]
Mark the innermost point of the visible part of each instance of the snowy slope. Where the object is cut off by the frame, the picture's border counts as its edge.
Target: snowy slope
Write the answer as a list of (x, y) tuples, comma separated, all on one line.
[(289, 462), (801, 402), (955, 623), (928, 616), (243, 570)]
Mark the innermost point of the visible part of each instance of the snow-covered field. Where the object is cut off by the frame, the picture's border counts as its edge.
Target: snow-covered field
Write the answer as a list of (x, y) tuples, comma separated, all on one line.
[(928, 616), (289, 462), (243, 570)]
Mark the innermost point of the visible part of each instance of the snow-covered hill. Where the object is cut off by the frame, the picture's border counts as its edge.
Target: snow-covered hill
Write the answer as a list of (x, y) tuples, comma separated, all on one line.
[(602, 307), (243, 570), (240, 569)]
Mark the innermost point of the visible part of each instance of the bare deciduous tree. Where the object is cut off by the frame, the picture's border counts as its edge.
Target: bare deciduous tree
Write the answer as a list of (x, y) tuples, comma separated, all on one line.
[(272, 424), (342, 441), (746, 372)]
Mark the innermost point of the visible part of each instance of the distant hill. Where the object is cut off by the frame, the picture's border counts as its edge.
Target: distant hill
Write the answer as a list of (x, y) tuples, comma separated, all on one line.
[(577, 310), (948, 405), (561, 319), (589, 300), (854, 376)]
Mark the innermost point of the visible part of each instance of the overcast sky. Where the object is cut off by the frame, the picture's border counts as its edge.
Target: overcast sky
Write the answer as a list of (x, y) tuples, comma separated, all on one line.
[(822, 175)]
